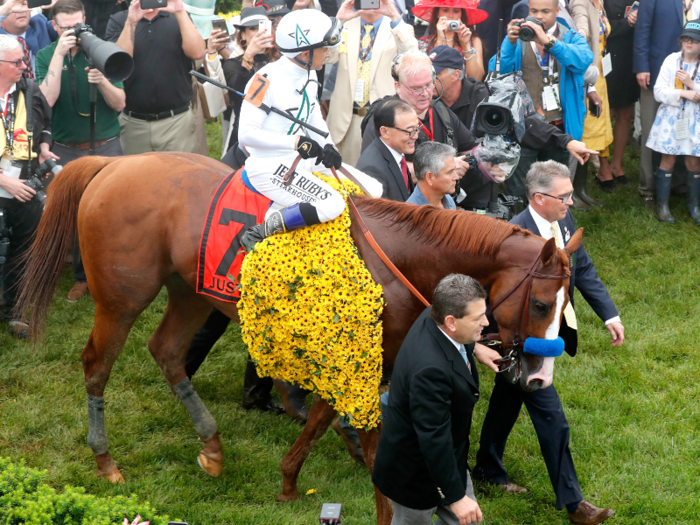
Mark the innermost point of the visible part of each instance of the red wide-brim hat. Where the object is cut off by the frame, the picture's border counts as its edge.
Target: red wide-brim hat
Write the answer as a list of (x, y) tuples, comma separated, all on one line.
[(424, 9)]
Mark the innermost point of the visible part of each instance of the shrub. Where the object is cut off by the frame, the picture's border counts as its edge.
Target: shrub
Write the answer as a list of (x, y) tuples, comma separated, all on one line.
[(26, 499)]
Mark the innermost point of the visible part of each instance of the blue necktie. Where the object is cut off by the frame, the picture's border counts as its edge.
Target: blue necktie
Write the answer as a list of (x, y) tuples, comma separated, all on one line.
[(463, 352)]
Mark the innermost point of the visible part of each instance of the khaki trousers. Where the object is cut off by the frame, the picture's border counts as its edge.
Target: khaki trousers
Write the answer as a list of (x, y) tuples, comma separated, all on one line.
[(171, 134)]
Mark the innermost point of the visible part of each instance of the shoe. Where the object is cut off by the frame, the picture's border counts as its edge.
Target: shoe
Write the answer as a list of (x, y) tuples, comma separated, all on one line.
[(579, 203), (663, 192), (608, 186), (20, 329), (279, 221), (621, 179), (512, 488), (351, 440), (583, 201), (79, 289), (265, 406), (588, 514), (294, 399), (648, 201)]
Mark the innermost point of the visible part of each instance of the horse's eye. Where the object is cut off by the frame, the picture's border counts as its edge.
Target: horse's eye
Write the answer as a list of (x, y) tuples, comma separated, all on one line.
[(540, 308)]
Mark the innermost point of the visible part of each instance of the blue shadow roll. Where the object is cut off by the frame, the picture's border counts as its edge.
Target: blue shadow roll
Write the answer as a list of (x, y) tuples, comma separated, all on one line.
[(544, 347)]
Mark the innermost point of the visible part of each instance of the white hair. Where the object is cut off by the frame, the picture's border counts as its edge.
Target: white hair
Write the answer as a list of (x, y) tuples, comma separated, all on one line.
[(7, 43), (450, 72), (411, 63)]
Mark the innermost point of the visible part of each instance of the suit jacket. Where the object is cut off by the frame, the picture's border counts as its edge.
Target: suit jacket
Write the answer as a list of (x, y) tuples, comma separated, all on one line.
[(421, 459), (387, 44), (40, 34), (583, 274), (377, 161), (659, 24)]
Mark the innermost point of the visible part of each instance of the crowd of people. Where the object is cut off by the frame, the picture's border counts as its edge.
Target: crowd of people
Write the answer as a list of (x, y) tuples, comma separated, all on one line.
[(393, 91)]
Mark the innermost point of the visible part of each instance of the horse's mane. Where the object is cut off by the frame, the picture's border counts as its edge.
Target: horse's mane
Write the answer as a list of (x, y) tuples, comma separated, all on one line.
[(458, 230)]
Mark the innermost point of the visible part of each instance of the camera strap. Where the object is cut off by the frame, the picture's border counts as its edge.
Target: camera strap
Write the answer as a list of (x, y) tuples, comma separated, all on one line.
[(8, 121), (29, 107), (73, 85)]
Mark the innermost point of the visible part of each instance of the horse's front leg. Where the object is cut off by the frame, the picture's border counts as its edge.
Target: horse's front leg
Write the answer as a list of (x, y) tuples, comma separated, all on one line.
[(320, 418), (369, 442)]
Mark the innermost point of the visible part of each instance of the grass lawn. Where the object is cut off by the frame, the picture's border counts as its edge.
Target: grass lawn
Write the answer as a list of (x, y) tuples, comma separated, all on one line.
[(633, 411)]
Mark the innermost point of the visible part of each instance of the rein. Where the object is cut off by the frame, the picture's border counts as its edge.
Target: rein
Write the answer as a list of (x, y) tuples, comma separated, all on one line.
[(373, 243), (528, 278)]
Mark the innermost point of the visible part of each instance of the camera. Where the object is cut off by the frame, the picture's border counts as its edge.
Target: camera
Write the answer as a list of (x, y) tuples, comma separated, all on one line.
[(362, 5), (111, 60), (35, 183), (527, 33), (453, 25)]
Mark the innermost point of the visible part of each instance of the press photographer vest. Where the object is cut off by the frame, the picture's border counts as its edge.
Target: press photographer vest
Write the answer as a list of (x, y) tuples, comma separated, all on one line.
[(20, 141)]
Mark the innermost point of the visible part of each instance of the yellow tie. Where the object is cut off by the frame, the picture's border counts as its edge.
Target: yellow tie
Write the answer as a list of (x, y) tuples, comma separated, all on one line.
[(363, 63), (569, 313)]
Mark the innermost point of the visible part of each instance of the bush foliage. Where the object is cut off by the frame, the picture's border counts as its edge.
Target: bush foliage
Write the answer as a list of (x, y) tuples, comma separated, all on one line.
[(26, 499)]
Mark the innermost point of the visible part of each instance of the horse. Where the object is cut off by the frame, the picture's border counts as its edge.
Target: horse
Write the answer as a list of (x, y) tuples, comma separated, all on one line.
[(139, 221)]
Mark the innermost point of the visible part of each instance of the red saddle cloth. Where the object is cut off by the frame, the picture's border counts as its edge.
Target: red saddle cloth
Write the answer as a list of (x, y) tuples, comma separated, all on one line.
[(234, 208)]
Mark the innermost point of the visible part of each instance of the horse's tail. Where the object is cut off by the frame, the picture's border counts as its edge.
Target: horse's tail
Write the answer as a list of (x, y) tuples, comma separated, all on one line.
[(54, 240)]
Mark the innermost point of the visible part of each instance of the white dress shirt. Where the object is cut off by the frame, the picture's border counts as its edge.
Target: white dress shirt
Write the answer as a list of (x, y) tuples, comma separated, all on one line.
[(545, 229), (397, 156)]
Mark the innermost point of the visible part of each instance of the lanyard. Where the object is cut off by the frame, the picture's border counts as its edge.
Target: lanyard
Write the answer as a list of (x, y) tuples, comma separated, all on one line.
[(429, 132), (680, 66), (8, 121), (687, 6), (364, 53)]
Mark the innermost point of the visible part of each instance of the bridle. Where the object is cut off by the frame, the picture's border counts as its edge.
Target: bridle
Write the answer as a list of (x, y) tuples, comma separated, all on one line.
[(519, 341)]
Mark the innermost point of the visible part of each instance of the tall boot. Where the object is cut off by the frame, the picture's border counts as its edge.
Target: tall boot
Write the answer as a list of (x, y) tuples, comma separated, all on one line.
[(693, 194), (663, 191), (294, 399), (280, 221), (580, 185)]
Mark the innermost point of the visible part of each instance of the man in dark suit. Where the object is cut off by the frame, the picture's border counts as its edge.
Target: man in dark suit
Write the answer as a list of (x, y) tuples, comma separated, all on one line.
[(549, 192), (421, 462), (659, 25), (397, 127)]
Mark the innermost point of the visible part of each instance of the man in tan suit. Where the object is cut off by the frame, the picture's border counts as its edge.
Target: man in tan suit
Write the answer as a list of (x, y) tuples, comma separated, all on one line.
[(371, 40)]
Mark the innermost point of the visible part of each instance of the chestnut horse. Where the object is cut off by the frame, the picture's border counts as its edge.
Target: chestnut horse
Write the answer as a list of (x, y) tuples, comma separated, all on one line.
[(140, 219)]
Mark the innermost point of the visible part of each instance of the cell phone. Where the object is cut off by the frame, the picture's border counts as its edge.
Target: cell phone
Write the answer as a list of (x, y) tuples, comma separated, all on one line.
[(265, 25), (362, 5), (220, 24), (594, 109), (154, 4), (631, 9), (31, 4)]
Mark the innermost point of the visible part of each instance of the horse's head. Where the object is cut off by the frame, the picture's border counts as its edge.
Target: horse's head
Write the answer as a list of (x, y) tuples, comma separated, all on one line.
[(528, 307)]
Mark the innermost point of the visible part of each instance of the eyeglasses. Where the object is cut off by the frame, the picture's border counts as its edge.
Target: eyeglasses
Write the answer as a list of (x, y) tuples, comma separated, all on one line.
[(65, 28), (417, 91), (562, 199), (16, 63), (688, 39), (410, 131)]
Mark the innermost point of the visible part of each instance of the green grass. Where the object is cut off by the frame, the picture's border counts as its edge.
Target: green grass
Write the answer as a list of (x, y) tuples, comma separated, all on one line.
[(633, 411)]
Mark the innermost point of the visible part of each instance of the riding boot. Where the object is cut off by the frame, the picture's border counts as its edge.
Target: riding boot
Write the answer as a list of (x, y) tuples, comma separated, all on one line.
[(280, 221), (256, 391), (294, 399), (580, 184), (693, 194), (663, 191)]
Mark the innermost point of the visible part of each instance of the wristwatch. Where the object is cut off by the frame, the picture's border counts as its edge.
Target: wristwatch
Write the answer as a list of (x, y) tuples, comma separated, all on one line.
[(550, 44)]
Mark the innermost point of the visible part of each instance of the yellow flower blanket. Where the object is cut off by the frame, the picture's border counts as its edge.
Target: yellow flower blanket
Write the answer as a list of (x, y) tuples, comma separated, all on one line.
[(310, 313)]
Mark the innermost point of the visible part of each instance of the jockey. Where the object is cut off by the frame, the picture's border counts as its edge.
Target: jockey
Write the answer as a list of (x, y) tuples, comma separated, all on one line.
[(304, 37)]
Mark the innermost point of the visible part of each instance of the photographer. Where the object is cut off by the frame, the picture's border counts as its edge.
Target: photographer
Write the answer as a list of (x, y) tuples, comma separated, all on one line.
[(25, 137), (163, 43), (64, 78), (553, 62)]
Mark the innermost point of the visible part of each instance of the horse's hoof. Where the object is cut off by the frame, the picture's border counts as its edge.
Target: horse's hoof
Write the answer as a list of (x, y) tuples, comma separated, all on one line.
[(289, 497), (113, 477), (209, 465)]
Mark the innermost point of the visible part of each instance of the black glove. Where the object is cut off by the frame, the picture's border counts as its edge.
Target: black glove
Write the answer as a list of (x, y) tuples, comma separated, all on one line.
[(331, 157), (308, 148)]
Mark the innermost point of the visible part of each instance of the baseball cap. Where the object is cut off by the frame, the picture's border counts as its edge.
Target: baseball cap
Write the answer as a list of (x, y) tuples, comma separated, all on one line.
[(275, 7), (692, 29), (444, 57)]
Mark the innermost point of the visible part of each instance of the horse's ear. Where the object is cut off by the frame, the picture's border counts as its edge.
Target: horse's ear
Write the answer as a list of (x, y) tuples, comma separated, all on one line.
[(574, 243), (548, 251)]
